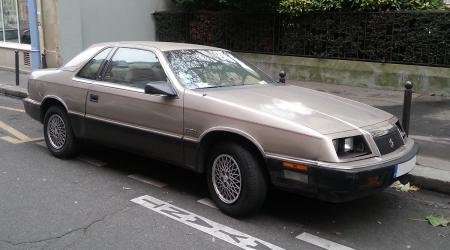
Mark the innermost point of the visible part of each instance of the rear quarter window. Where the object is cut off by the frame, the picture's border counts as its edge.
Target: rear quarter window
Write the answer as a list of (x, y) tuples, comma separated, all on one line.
[(81, 58)]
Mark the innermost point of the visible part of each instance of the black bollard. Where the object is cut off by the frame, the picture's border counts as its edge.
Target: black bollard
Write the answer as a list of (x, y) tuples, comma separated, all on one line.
[(282, 77), (16, 59), (44, 61), (407, 106)]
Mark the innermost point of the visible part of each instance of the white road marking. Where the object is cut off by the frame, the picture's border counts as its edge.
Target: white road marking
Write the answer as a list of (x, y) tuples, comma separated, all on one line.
[(203, 224), (147, 180), (42, 144), (12, 109), (208, 202), (91, 161), (320, 242)]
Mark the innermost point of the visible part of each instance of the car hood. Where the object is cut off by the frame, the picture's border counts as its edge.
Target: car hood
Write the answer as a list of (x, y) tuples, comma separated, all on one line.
[(322, 112)]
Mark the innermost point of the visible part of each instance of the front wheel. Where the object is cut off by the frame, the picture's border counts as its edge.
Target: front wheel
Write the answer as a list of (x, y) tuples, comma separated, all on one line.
[(58, 133), (235, 180)]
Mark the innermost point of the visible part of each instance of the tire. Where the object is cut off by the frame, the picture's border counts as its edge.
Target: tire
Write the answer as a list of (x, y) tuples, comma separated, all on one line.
[(247, 199), (58, 134)]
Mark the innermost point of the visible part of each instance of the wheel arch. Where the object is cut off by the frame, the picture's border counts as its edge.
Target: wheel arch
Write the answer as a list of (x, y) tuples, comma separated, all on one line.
[(215, 135), (50, 101)]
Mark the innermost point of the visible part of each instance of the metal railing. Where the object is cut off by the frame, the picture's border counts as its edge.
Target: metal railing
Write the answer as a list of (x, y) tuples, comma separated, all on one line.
[(421, 38)]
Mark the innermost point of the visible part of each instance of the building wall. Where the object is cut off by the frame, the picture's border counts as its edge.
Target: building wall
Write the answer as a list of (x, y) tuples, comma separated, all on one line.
[(85, 22), (50, 40)]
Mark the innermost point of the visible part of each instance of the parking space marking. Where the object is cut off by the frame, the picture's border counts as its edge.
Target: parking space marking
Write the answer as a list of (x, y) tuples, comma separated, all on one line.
[(42, 144), (19, 136), (320, 242), (203, 224), (12, 109), (148, 180), (91, 161), (208, 202)]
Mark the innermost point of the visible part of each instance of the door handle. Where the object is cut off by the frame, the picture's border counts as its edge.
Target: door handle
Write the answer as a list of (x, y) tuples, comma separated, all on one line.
[(93, 98)]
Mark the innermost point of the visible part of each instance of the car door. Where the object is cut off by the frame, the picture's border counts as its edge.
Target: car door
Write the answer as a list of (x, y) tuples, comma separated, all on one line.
[(119, 113)]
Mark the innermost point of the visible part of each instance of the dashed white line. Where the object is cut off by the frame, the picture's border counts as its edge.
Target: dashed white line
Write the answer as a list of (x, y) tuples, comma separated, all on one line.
[(320, 242), (208, 202), (91, 161), (203, 224), (42, 144), (148, 180)]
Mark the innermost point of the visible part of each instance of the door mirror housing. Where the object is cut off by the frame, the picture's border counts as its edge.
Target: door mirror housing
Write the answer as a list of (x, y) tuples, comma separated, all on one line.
[(161, 88)]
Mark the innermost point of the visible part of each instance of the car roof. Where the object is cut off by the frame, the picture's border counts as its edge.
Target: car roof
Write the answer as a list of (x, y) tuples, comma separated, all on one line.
[(162, 46)]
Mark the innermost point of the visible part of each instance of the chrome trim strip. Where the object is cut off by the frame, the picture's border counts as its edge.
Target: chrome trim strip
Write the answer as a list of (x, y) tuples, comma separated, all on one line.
[(31, 101), (154, 131), (191, 139), (360, 164), (290, 159), (75, 113), (119, 86), (83, 80), (106, 84)]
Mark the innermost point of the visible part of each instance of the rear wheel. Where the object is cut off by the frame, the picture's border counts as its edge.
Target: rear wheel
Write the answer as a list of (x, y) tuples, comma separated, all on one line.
[(235, 180), (58, 133)]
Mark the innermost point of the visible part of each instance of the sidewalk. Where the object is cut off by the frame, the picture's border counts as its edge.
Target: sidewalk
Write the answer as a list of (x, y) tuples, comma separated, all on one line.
[(430, 123), (8, 84)]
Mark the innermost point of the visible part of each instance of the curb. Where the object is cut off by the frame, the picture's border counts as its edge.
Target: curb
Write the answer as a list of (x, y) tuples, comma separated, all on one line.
[(431, 179), (9, 90)]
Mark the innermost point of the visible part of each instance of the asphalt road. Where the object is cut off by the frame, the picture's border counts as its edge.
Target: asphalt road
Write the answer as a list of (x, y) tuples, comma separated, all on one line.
[(95, 202)]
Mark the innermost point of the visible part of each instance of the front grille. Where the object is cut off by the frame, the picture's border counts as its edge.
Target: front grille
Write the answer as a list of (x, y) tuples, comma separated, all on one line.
[(390, 141)]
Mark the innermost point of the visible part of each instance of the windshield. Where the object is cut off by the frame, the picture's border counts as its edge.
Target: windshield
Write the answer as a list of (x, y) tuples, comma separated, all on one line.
[(198, 69)]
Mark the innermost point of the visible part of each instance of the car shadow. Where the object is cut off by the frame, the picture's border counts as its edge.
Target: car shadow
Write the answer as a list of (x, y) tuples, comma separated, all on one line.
[(280, 205)]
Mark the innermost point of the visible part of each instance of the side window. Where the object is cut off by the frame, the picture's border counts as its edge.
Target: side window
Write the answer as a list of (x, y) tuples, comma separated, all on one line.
[(91, 68), (134, 68)]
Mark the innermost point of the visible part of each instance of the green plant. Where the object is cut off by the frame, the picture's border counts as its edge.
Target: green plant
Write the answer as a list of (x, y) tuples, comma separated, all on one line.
[(300, 6)]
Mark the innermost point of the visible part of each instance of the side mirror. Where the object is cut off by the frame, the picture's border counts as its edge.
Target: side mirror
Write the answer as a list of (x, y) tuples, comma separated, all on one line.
[(160, 88)]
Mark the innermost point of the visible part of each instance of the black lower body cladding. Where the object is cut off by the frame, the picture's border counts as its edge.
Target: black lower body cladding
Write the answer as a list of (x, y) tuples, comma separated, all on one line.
[(333, 184)]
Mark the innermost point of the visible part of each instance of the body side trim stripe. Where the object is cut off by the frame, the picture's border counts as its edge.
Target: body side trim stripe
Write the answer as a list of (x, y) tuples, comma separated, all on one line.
[(75, 113), (154, 131)]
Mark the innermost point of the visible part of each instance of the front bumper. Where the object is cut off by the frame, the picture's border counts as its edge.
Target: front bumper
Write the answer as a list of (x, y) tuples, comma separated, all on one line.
[(335, 184)]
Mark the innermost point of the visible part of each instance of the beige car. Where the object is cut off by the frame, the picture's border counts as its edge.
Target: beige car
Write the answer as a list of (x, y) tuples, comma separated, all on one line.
[(207, 110)]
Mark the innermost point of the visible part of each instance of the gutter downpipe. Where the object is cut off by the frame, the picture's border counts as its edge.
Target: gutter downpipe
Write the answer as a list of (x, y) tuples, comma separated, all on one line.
[(34, 34)]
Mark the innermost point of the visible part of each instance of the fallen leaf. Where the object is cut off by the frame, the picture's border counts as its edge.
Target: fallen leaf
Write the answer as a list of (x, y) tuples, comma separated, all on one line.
[(436, 221), (404, 188)]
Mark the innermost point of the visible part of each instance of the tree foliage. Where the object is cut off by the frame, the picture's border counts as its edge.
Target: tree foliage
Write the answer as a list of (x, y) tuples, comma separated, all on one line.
[(301, 6)]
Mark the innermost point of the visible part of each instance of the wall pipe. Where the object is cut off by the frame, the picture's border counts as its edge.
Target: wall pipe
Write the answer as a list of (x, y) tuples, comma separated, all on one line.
[(34, 34)]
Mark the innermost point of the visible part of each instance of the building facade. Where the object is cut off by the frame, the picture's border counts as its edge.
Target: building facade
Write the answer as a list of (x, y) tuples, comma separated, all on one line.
[(67, 27)]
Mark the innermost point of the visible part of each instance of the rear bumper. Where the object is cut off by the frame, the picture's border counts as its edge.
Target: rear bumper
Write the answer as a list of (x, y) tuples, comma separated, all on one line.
[(33, 109), (336, 184)]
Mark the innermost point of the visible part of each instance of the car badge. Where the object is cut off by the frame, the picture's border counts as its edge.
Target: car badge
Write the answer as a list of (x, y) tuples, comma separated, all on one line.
[(391, 143)]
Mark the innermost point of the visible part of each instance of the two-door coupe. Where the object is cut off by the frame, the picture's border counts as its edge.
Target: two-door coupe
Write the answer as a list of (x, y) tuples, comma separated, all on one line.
[(205, 109)]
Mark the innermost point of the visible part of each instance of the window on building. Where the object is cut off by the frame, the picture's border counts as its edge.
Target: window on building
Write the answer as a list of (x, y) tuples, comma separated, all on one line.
[(14, 27)]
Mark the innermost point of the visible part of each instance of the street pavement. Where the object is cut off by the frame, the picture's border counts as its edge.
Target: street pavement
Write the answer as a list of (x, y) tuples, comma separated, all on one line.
[(108, 199)]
